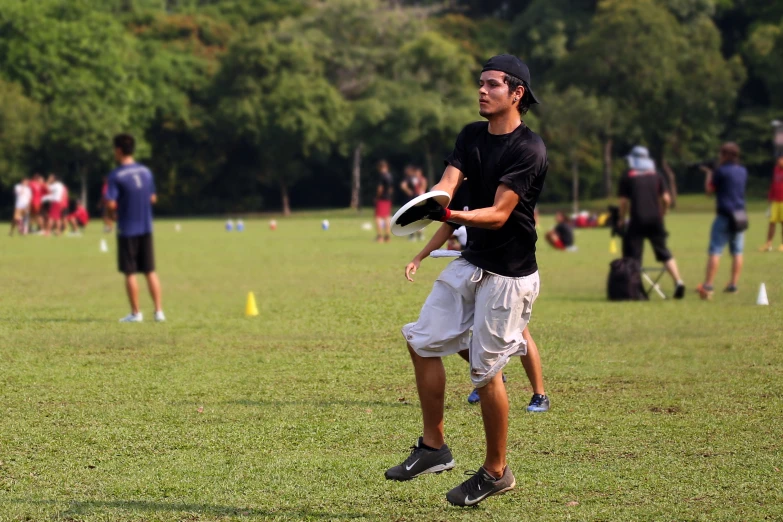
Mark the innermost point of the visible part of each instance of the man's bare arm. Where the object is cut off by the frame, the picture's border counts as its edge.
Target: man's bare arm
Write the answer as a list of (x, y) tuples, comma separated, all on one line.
[(666, 202), (441, 236), (493, 217), (450, 181), (624, 205), (709, 188)]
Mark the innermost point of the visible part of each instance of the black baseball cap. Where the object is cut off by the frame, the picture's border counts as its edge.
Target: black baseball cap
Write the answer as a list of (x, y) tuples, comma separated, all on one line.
[(512, 65)]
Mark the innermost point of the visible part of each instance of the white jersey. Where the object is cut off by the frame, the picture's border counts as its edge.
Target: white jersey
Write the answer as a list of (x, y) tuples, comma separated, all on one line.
[(23, 196), (56, 191)]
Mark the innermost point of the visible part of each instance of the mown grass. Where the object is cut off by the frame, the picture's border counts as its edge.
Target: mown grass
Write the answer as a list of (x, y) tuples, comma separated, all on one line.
[(661, 410)]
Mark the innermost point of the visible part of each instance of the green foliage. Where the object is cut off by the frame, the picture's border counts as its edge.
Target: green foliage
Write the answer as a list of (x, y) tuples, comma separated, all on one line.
[(765, 50), (275, 98), (20, 132), (229, 99), (83, 67), (668, 78), (545, 32)]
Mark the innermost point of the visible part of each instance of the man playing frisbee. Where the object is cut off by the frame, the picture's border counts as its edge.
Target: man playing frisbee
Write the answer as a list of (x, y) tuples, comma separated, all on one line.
[(492, 288)]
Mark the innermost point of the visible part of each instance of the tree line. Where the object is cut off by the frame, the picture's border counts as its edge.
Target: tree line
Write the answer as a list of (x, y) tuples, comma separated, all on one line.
[(257, 105)]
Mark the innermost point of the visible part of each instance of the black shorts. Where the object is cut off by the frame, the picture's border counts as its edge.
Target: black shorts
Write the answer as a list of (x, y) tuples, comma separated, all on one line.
[(135, 254), (633, 241)]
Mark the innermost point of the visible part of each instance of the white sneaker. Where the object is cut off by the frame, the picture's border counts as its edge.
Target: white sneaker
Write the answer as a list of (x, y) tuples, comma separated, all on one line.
[(132, 318), (159, 317)]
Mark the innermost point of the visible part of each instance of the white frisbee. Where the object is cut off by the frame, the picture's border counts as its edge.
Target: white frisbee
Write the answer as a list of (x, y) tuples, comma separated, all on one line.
[(439, 195), (445, 253)]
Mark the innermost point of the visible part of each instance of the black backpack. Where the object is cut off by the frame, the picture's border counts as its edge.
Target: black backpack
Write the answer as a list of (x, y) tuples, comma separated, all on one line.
[(625, 281)]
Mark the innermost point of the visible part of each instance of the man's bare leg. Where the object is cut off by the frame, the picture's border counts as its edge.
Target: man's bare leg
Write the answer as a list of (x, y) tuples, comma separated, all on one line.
[(671, 267), (387, 224), (532, 364), (379, 229), (494, 411), (153, 283), (431, 385), (736, 268), (770, 236), (133, 292), (713, 262)]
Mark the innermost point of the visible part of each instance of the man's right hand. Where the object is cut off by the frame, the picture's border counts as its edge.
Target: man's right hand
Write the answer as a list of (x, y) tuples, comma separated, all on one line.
[(410, 270)]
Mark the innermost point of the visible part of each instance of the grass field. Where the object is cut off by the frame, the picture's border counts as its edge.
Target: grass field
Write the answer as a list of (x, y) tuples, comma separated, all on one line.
[(661, 410)]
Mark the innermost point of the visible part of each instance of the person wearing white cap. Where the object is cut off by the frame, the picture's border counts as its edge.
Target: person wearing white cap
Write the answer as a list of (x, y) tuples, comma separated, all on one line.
[(644, 195)]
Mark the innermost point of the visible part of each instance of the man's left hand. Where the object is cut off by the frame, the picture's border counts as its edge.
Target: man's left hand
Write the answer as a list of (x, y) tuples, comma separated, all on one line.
[(431, 209)]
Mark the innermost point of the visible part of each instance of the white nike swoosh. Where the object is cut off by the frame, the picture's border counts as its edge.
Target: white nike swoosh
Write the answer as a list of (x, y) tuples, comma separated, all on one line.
[(476, 500), (408, 468)]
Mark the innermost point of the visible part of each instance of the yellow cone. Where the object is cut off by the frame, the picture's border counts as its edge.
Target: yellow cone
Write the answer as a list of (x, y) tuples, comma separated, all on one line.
[(251, 310), (613, 246)]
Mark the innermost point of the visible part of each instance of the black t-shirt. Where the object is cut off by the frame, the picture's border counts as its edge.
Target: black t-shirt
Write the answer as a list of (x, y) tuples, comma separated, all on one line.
[(385, 182), (517, 160), (460, 201), (644, 190), (565, 233)]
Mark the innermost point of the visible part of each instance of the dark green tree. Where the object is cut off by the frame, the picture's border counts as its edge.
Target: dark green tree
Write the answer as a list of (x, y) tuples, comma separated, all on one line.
[(273, 96), (20, 132)]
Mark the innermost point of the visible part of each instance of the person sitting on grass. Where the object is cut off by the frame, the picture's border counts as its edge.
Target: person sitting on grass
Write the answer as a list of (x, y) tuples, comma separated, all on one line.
[(562, 236), (77, 219)]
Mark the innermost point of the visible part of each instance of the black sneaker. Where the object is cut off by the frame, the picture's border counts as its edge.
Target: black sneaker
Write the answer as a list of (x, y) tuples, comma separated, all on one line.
[(421, 461), (480, 486), (679, 291), (730, 289), (538, 403)]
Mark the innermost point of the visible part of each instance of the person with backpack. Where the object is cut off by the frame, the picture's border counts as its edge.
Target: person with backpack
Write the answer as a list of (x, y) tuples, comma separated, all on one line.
[(645, 198)]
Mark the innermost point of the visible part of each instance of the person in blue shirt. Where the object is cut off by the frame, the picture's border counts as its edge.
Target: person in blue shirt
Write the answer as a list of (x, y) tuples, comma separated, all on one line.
[(727, 182), (131, 194)]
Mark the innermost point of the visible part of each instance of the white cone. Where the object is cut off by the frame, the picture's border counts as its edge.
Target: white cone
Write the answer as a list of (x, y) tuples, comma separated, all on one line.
[(762, 298), (104, 246), (177, 228)]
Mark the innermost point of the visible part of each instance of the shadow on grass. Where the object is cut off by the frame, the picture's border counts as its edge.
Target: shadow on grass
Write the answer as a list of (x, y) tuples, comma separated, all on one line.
[(81, 508)]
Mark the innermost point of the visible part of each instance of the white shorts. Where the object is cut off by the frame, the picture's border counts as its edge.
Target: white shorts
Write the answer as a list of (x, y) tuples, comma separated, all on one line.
[(464, 298)]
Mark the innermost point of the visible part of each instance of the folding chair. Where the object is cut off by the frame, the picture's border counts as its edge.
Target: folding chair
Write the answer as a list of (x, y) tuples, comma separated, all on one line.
[(656, 272)]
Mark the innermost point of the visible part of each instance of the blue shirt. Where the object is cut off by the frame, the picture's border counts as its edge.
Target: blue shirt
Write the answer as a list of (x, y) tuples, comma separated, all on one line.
[(132, 187), (729, 180)]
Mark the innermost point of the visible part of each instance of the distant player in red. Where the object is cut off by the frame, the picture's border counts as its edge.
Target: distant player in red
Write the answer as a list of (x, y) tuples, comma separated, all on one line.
[(54, 198), (64, 204), (383, 203), (38, 189), (78, 219), (775, 205)]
